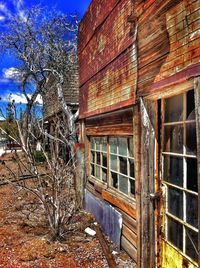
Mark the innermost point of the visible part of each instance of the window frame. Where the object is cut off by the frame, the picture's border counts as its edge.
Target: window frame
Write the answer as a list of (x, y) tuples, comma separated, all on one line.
[(108, 182), (184, 156)]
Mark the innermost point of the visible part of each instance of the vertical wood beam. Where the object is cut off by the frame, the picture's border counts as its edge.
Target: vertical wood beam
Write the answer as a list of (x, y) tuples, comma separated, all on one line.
[(137, 160), (148, 136), (197, 112)]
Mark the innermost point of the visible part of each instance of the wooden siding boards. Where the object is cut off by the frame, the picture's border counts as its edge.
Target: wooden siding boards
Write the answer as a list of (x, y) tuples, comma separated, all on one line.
[(168, 43), (108, 63)]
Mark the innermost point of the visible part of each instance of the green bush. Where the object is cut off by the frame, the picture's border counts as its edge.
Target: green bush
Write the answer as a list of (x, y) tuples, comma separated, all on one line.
[(39, 157)]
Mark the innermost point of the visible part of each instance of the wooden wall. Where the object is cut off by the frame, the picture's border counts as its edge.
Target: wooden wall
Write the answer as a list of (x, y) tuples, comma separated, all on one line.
[(168, 43), (118, 123), (107, 58), (130, 49)]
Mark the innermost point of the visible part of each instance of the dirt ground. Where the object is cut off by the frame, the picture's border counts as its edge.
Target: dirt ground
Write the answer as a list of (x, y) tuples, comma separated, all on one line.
[(25, 239)]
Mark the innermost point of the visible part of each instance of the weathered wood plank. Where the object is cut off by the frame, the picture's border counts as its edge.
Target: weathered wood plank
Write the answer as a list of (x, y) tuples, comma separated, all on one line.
[(129, 221), (197, 112), (106, 250), (120, 203), (120, 130), (129, 235), (148, 110), (129, 248)]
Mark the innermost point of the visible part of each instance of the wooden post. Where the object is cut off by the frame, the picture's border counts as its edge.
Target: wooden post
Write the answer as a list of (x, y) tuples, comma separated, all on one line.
[(137, 159), (148, 137), (197, 112)]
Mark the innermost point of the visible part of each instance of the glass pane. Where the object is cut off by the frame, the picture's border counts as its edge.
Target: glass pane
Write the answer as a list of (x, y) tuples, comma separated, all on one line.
[(123, 144), (192, 183), (97, 169), (130, 147), (113, 145), (98, 142), (132, 187), (192, 209), (174, 109), (123, 184), (192, 244), (92, 142), (190, 105), (98, 155), (191, 140), (92, 170), (104, 163), (173, 170), (104, 144), (113, 162), (104, 174), (175, 202), (173, 139), (92, 157), (175, 233), (114, 179), (131, 166), (123, 165)]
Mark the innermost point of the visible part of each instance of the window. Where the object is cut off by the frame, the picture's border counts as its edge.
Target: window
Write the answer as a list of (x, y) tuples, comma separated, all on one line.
[(180, 172), (112, 162), (99, 158)]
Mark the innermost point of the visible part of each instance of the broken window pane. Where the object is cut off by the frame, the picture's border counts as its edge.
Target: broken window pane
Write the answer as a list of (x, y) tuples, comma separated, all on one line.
[(113, 145), (192, 183), (132, 186), (98, 155), (92, 170), (123, 145), (92, 157), (175, 233), (192, 244), (190, 105), (173, 170), (191, 142), (173, 139), (113, 162), (130, 147), (131, 166), (114, 180), (123, 165), (123, 184), (192, 209), (175, 202), (174, 109), (104, 163)]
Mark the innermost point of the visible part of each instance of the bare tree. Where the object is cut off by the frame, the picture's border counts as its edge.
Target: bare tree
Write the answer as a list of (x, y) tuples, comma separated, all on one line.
[(45, 45)]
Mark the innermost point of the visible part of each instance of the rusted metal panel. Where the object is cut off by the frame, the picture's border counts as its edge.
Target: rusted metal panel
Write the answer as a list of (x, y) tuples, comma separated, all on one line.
[(108, 217)]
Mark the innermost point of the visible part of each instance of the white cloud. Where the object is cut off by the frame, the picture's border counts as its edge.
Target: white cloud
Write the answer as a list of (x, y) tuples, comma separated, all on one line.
[(11, 73), (2, 18), (20, 98), (3, 8)]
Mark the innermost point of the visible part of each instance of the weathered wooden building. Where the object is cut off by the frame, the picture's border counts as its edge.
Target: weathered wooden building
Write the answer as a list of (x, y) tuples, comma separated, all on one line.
[(140, 122)]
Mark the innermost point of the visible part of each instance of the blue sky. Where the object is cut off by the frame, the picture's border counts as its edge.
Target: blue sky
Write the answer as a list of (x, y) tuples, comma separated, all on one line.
[(7, 62)]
